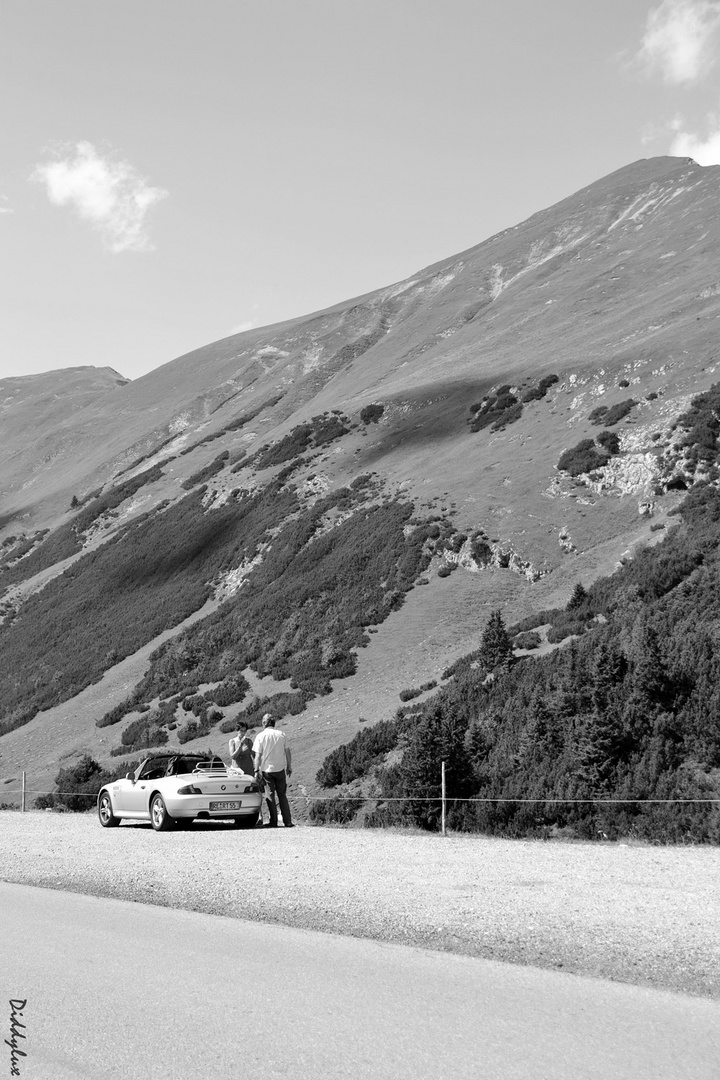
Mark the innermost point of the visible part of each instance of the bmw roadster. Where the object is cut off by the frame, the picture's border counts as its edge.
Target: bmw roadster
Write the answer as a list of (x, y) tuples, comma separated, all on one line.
[(173, 791)]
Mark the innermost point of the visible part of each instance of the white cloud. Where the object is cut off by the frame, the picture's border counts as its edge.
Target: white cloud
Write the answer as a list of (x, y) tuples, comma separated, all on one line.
[(242, 327), (109, 194), (679, 39), (706, 151), (5, 209)]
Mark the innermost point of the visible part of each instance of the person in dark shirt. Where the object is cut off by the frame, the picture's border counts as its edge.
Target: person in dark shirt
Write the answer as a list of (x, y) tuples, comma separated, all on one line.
[(241, 751), (241, 757)]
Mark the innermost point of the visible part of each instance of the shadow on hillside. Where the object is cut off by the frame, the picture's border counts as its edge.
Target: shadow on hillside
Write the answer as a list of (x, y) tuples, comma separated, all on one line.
[(432, 413)]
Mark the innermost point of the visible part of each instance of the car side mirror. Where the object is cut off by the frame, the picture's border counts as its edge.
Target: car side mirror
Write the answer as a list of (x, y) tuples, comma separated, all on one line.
[(129, 776)]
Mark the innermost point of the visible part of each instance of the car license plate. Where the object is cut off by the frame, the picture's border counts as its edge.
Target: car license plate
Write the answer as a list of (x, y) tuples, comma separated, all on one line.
[(225, 805)]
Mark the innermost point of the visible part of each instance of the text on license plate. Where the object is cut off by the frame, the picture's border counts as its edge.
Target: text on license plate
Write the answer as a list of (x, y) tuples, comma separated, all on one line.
[(225, 805)]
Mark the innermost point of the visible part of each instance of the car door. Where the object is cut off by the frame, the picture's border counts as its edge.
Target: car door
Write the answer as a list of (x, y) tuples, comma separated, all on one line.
[(135, 797), (118, 793)]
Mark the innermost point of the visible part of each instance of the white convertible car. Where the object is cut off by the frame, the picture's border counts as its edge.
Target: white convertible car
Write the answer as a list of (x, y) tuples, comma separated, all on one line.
[(170, 791)]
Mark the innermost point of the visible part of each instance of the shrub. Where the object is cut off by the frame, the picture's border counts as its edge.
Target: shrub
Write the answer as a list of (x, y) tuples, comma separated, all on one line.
[(371, 413), (408, 695), (481, 550), (528, 639), (495, 411), (535, 393), (320, 431), (609, 440), (338, 811), (355, 758), (189, 731), (146, 731), (208, 471), (559, 631), (582, 458), (624, 382), (229, 692), (508, 416), (77, 786), (612, 415)]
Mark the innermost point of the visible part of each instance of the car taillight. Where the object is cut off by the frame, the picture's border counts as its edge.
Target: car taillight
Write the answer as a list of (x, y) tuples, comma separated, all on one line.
[(249, 788), (190, 789)]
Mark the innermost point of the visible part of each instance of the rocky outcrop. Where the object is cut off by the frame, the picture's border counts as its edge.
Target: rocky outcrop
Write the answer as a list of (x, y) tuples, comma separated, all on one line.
[(504, 557)]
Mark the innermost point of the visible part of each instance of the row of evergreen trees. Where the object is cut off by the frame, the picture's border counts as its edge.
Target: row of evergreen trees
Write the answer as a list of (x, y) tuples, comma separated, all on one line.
[(616, 733)]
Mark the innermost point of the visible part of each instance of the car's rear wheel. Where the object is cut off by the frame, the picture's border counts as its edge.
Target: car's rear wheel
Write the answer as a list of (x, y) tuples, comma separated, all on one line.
[(249, 821), (159, 817), (105, 811)]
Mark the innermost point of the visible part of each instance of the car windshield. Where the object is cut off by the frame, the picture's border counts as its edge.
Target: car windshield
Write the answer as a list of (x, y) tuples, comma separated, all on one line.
[(152, 769)]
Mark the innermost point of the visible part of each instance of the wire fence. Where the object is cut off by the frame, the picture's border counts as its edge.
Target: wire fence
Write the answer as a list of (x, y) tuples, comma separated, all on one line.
[(423, 797), (419, 797)]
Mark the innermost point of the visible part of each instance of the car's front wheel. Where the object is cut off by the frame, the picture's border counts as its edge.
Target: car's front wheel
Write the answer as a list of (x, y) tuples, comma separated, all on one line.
[(159, 817), (105, 811)]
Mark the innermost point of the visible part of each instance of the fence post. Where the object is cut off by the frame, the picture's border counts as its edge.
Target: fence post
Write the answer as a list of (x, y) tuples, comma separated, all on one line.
[(22, 795), (443, 799)]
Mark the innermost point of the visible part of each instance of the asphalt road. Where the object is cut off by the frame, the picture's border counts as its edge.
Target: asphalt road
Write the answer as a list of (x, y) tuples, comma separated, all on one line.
[(123, 990)]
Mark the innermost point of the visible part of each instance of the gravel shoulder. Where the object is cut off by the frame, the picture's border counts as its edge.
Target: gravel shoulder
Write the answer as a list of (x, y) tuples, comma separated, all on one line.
[(632, 913)]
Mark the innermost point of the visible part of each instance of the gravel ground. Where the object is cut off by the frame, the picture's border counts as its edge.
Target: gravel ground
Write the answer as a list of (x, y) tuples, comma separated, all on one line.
[(634, 913)]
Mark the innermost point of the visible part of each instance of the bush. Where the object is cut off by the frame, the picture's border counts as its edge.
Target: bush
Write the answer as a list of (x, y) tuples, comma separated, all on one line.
[(355, 758), (481, 550), (337, 811), (612, 415), (560, 631), (208, 471), (495, 411), (582, 458), (371, 413), (189, 731), (229, 692), (77, 786), (528, 639), (535, 393), (148, 730), (610, 441), (408, 695)]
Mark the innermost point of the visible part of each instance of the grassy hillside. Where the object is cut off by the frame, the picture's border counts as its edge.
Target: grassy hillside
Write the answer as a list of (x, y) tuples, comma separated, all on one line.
[(487, 434)]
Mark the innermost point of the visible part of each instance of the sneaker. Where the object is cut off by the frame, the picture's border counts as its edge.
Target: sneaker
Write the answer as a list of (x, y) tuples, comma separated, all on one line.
[(290, 825)]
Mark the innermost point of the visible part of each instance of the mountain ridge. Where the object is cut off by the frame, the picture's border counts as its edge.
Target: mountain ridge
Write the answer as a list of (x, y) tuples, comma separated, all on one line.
[(612, 294)]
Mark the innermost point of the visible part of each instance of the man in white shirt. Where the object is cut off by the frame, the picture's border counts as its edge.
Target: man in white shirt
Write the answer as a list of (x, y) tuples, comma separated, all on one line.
[(273, 763)]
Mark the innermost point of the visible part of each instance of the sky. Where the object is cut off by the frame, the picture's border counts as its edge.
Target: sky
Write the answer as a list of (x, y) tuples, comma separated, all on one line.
[(176, 171)]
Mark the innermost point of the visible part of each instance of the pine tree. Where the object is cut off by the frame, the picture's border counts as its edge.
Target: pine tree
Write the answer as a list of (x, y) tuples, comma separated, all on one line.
[(496, 647), (578, 597), (439, 736)]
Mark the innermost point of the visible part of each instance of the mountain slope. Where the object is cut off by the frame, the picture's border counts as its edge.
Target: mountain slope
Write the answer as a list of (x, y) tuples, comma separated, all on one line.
[(614, 292)]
